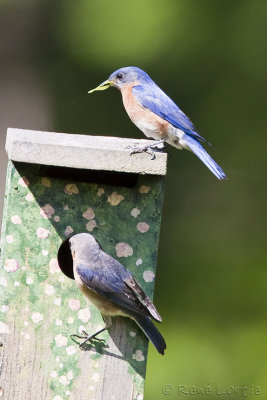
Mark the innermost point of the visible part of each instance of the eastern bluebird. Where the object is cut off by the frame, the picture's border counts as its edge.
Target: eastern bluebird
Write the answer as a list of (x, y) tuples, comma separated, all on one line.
[(156, 115), (108, 285)]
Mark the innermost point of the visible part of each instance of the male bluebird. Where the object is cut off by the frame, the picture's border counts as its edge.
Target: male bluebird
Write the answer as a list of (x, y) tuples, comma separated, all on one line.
[(108, 285), (156, 115)]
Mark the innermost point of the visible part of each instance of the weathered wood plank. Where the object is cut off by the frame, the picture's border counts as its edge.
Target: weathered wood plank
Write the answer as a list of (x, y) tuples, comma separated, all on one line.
[(82, 151)]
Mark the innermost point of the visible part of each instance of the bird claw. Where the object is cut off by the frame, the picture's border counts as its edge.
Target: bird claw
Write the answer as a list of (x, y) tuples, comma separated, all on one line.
[(88, 338), (146, 149), (150, 149)]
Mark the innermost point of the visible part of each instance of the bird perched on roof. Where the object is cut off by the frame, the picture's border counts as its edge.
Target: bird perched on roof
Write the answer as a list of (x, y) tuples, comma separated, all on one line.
[(108, 285), (156, 115)]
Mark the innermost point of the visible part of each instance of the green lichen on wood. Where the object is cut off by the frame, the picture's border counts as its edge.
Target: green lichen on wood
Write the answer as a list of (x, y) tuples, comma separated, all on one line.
[(39, 213)]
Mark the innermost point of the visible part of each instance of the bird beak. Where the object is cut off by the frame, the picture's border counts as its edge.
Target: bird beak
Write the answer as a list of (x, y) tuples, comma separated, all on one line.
[(103, 86)]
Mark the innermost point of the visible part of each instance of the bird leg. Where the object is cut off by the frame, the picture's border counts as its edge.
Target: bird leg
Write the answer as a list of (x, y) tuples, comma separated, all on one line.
[(150, 149), (90, 338)]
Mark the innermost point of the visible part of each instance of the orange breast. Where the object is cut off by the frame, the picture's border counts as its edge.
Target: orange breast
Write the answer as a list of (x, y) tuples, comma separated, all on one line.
[(141, 116)]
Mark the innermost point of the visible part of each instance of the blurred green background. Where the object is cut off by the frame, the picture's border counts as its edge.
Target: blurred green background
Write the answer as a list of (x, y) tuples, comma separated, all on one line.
[(211, 58)]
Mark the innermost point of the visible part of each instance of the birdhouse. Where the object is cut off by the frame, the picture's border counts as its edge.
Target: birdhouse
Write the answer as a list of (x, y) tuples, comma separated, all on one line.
[(59, 184)]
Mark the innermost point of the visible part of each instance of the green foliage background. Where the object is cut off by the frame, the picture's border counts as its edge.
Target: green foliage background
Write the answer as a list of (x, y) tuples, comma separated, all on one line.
[(210, 57)]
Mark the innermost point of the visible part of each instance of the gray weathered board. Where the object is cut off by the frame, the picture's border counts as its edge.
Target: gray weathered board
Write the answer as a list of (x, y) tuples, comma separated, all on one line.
[(40, 307)]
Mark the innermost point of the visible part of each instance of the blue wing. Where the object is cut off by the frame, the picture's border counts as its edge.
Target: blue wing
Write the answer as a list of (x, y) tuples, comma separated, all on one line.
[(153, 98), (114, 282)]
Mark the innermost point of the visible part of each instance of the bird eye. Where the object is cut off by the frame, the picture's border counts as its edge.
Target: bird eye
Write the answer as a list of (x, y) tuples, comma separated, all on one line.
[(119, 76)]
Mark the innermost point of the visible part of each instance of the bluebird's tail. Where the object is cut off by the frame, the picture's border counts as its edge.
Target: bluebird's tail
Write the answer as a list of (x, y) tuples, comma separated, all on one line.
[(201, 153), (151, 332)]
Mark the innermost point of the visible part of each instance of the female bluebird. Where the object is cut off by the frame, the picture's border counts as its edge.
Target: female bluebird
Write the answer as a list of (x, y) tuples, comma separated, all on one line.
[(156, 115), (108, 285)]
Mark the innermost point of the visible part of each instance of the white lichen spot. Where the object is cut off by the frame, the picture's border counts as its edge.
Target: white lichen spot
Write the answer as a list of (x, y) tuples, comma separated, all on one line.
[(9, 238), (27, 336), (88, 214), (16, 283), (90, 226), (81, 329), (53, 266), (142, 227), (57, 397), (132, 333), (16, 220), (29, 197), (45, 252), (46, 182), (145, 189), (70, 320), (3, 282), (74, 304), (53, 374), (84, 314), (47, 211), (37, 317), (56, 218), (139, 262), (115, 198), (23, 181), (148, 276), (71, 188), (49, 289), (70, 350), (138, 355), (67, 393), (68, 230), (123, 249), (70, 375), (42, 233), (61, 340), (11, 265), (4, 308), (100, 192), (26, 323), (57, 301), (135, 212), (4, 328), (59, 322), (29, 280)]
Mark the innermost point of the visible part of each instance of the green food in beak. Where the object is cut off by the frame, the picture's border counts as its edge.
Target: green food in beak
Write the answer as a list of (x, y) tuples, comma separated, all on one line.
[(103, 86)]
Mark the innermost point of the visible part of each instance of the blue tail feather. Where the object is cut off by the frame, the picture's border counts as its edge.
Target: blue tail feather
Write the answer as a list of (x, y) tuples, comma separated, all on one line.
[(151, 332), (201, 153)]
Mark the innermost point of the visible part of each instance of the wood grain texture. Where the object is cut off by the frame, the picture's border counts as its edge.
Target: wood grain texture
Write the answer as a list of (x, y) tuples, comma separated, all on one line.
[(83, 151)]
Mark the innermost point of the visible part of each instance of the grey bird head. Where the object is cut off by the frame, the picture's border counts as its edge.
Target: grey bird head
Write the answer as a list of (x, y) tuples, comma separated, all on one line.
[(84, 248), (84, 243)]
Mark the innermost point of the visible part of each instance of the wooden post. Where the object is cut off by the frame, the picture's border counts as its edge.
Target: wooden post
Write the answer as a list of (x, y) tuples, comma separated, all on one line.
[(58, 184)]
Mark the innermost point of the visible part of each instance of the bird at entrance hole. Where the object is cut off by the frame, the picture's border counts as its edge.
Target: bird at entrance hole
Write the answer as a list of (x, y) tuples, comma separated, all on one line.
[(109, 286)]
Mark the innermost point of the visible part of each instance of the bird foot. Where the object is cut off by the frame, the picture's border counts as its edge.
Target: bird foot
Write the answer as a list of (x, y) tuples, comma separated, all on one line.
[(87, 338), (150, 149)]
